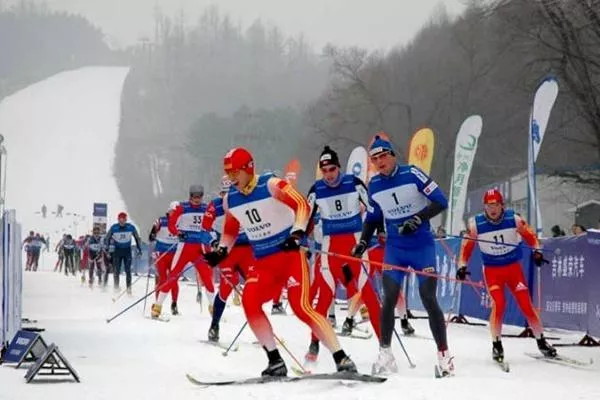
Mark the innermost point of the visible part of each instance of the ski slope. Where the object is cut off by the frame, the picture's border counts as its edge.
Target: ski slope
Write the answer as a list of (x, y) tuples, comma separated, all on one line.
[(136, 358), (60, 134)]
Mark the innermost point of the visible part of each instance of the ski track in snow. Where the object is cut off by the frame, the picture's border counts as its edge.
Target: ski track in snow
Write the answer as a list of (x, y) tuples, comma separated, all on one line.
[(137, 358), (60, 136)]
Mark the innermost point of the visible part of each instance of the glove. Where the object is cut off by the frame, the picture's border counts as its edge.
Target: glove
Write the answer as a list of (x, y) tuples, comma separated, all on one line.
[(538, 258), (410, 225), (359, 249), (461, 273), (293, 241), (381, 238), (214, 245), (182, 236), (138, 253), (347, 271), (213, 258)]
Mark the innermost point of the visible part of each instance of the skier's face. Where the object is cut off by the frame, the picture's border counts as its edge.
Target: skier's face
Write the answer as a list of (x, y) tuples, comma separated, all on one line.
[(196, 199), (240, 178), (493, 211), (385, 162), (122, 221), (330, 173)]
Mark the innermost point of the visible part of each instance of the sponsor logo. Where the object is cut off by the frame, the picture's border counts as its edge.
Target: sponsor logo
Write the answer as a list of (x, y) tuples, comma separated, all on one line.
[(422, 177), (421, 152), (356, 169), (430, 188), (520, 286)]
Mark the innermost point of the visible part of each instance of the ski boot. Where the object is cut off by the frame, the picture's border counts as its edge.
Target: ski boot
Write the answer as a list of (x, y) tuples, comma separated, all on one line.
[(546, 348), (156, 310), (313, 352), (348, 326), (213, 333), (129, 292), (497, 351), (276, 365), (332, 321), (277, 309), (343, 363), (82, 279), (174, 310), (407, 328), (445, 365), (386, 363), (199, 298)]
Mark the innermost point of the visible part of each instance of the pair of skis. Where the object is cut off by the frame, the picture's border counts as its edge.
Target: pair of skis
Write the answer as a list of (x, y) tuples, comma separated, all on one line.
[(335, 376)]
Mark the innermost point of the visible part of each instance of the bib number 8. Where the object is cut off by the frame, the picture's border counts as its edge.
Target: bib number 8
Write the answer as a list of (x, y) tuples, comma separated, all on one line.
[(338, 205)]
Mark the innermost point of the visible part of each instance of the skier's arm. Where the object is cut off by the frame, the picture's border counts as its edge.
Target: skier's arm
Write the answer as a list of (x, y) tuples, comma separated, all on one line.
[(373, 221), (468, 244), (209, 217), (312, 203), (527, 232), (173, 217), (231, 228), (138, 241), (430, 189), (154, 231), (285, 193)]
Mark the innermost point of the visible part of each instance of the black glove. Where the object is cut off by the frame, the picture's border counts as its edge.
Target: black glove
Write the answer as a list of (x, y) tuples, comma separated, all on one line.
[(182, 236), (347, 271), (410, 225), (538, 258), (461, 273), (139, 253), (293, 241), (359, 249), (214, 245), (213, 258)]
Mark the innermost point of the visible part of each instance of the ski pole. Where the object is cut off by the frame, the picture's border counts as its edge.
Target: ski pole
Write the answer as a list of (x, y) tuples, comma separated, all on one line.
[(147, 287), (281, 343), (364, 268), (235, 339), (524, 246), (168, 281), (396, 268)]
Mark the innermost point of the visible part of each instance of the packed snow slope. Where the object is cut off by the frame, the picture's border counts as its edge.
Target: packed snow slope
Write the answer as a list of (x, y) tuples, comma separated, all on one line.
[(60, 135), (134, 357)]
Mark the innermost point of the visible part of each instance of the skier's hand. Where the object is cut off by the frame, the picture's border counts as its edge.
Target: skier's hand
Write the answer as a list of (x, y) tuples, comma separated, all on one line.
[(214, 258), (182, 236), (410, 225), (462, 272), (214, 245), (347, 271), (138, 254), (538, 258), (293, 241), (359, 249)]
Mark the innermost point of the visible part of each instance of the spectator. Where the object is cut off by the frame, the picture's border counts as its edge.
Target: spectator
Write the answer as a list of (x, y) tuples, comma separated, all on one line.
[(557, 232), (441, 232), (577, 229)]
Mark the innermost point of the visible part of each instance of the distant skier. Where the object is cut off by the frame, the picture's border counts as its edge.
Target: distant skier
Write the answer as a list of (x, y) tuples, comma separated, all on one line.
[(44, 210), (122, 233), (59, 210)]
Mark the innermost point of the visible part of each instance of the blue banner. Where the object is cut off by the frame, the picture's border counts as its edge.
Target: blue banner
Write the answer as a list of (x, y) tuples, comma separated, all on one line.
[(20, 346)]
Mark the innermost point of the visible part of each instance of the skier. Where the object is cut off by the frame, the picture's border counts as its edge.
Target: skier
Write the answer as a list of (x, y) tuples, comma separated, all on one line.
[(68, 248), (121, 234), (502, 267), (44, 210), (273, 215), (404, 198), (164, 250), (61, 254), (59, 210), (339, 196), (238, 260), (185, 222), (94, 253), (28, 250)]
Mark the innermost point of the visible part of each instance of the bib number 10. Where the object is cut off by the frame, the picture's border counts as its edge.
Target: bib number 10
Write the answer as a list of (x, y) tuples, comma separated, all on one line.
[(253, 216)]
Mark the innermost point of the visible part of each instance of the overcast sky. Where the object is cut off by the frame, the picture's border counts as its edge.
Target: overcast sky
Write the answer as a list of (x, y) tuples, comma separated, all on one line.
[(367, 23)]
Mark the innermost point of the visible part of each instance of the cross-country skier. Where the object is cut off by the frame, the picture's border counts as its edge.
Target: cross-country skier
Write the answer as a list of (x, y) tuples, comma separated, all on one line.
[(501, 231), (165, 245), (238, 261), (404, 198), (338, 197), (94, 253), (121, 233), (273, 215), (185, 221), (68, 247)]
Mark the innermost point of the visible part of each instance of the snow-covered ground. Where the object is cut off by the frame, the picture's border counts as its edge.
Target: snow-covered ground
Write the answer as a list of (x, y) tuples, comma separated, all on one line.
[(134, 357), (60, 135)]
